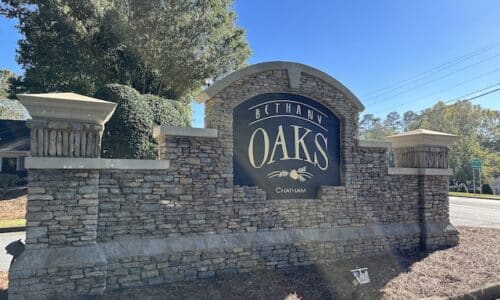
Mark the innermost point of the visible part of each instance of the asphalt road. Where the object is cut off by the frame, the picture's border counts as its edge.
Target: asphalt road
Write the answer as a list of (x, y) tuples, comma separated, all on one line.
[(5, 239), (475, 212), (463, 212)]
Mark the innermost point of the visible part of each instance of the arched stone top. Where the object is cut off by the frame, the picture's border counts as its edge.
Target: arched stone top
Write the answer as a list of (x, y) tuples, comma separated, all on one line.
[(294, 73)]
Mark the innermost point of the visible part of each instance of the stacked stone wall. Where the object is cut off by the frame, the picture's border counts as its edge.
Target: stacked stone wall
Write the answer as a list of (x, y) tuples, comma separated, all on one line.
[(188, 265), (167, 203), (62, 208)]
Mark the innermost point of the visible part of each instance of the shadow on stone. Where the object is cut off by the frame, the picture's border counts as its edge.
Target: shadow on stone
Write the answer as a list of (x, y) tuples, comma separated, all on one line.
[(327, 281)]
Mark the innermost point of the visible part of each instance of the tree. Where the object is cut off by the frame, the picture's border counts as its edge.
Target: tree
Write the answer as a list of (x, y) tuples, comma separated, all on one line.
[(371, 128), (408, 118), (478, 131), (5, 77), (393, 123), (158, 47), (11, 110)]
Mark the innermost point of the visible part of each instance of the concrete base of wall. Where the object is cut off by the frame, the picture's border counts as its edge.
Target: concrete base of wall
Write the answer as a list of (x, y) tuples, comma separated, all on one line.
[(123, 263)]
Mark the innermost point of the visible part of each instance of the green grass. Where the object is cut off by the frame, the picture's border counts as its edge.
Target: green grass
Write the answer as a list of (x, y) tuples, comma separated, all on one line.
[(472, 195), (12, 223)]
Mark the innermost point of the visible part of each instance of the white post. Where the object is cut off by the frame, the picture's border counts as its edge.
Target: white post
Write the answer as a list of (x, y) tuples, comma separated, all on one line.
[(474, 180), (480, 190)]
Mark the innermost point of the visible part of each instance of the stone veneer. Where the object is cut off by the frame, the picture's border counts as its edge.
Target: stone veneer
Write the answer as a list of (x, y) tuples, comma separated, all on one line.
[(96, 229)]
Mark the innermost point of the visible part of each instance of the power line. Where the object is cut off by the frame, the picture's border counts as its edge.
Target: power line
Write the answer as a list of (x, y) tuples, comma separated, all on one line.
[(438, 68), (463, 96), (478, 96), (435, 79), (418, 99)]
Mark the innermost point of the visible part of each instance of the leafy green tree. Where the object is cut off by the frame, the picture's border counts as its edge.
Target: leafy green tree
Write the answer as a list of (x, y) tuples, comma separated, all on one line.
[(393, 123), (11, 110), (372, 128), (5, 77), (158, 47), (478, 130), (408, 118)]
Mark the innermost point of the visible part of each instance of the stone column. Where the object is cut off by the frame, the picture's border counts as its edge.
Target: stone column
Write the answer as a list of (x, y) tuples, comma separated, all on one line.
[(424, 154), (61, 256)]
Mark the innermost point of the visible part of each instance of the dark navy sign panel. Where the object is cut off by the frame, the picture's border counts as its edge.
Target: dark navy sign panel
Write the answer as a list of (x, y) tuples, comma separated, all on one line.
[(286, 144)]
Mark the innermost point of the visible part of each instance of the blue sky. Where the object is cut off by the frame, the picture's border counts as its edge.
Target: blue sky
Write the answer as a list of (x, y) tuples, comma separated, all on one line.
[(370, 46)]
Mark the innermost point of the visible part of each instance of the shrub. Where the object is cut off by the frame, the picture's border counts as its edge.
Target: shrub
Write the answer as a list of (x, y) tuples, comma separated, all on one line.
[(129, 132), (8, 180), (166, 111), (487, 189), (462, 188), (453, 188)]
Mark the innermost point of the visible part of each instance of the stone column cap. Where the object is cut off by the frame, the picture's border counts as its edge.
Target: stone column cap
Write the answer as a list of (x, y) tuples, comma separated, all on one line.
[(184, 131), (68, 106), (420, 137)]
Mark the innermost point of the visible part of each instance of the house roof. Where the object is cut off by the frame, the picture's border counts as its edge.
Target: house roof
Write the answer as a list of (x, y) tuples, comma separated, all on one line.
[(14, 136)]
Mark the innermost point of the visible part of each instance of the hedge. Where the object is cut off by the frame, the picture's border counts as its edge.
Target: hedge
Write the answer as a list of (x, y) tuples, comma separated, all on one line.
[(487, 189), (129, 132)]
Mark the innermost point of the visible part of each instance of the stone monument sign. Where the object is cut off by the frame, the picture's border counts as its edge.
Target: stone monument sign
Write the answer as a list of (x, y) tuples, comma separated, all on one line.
[(276, 179)]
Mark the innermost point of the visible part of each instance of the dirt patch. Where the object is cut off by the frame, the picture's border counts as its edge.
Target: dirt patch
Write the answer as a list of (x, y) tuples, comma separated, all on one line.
[(13, 208)]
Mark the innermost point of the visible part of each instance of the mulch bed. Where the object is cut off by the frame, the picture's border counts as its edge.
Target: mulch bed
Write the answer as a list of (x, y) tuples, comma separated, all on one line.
[(13, 208), (474, 263)]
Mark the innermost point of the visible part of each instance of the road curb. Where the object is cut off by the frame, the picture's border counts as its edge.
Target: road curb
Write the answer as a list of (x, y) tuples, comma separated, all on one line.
[(12, 229), (472, 197)]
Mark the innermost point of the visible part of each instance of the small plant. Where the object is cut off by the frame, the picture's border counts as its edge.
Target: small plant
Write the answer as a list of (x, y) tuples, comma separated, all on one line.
[(487, 189), (462, 188)]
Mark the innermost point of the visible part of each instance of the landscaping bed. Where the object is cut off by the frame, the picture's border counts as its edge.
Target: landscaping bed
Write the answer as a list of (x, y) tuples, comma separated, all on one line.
[(473, 264), (13, 208)]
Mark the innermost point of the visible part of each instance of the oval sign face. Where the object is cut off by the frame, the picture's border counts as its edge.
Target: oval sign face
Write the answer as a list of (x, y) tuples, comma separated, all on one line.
[(286, 144)]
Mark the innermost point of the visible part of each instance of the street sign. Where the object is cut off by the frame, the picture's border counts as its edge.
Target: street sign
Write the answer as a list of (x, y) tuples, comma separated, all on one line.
[(476, 164)]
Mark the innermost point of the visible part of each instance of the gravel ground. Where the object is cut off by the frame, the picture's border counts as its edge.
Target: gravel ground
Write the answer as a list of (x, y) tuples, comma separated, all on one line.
[(473, 264)]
